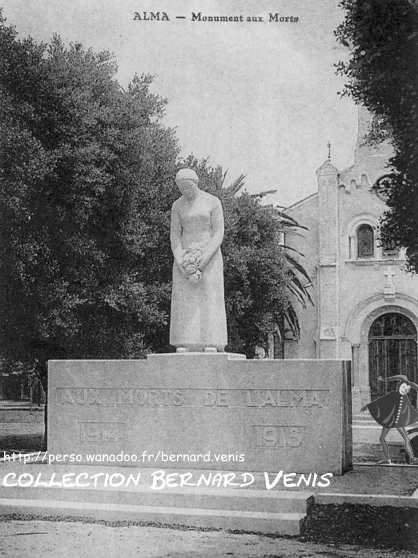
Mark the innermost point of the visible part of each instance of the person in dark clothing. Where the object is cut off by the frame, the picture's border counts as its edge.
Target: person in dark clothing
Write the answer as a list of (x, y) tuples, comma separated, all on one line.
[(394, 410)]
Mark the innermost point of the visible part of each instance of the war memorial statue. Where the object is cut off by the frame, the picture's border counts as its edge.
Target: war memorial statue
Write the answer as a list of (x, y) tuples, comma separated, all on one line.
[(198, 319)]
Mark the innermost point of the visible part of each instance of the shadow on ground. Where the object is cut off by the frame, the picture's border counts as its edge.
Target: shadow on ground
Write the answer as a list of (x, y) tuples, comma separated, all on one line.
[(23, 443)]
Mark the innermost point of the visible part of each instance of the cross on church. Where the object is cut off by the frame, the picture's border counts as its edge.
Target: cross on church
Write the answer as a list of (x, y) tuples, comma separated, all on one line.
[(389, 274), (389, 288), (329, 150)]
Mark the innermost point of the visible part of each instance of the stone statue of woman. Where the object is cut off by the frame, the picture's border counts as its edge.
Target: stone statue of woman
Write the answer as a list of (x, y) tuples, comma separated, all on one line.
[(198, 319)]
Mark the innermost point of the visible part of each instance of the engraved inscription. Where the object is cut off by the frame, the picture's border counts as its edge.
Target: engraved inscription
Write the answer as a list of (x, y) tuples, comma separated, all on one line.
[(287, 398), (193, 397), (278, 436), (109, 397), (217, 398), (102, 431)]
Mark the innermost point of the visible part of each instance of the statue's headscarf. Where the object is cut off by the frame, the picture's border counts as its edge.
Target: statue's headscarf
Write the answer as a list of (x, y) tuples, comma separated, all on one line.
[(186, 174)]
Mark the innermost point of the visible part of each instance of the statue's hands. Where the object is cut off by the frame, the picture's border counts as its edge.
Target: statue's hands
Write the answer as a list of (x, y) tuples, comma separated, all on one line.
[(204, 260), (181, 266)]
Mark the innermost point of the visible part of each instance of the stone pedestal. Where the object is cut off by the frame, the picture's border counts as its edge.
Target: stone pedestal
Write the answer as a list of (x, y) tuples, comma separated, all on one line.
[(221, 410)]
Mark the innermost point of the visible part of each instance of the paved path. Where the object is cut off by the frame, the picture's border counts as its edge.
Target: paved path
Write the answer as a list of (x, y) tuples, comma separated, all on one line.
[(26, 539)]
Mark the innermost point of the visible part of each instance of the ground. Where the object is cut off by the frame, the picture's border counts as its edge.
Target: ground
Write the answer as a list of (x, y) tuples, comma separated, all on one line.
[(25, 539)]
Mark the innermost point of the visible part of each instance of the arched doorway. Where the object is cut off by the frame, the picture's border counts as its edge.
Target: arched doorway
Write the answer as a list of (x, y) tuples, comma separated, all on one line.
[(392, 350)]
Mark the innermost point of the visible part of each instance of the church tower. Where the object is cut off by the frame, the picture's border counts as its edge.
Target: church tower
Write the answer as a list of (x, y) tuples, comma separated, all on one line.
[(327, 176)]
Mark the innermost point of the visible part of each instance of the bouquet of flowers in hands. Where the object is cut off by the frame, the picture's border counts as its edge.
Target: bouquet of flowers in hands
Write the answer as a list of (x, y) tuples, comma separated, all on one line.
[(191, 261)]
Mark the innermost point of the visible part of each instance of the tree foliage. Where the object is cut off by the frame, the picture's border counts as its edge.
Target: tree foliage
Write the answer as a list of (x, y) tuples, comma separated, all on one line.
[(85, 192), (381, 73), (86, 188)]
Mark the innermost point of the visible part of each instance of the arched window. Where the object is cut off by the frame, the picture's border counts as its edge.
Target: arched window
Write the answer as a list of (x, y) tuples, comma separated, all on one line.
[(365, 241), (392, 325)]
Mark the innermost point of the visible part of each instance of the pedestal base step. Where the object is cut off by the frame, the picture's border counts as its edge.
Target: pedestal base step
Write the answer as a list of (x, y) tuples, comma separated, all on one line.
[(278, 512), (247, 521)]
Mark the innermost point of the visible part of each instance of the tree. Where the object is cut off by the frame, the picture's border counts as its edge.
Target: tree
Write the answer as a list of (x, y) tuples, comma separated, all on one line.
[(382, 75), (85, 194), (262, 276)]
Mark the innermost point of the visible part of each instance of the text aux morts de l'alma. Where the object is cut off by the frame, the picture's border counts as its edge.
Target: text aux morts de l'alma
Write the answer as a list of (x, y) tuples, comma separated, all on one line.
[(312, 398), (199, 17)]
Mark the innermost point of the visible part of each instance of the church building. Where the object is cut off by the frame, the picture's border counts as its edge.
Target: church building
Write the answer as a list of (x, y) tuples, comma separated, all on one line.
[(366, 304)]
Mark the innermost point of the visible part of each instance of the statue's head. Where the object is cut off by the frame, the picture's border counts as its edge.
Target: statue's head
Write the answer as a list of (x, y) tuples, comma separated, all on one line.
[(187, 182)]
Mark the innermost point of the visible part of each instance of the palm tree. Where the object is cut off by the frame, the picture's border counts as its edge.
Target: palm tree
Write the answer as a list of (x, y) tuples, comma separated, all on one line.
[(298, 281)]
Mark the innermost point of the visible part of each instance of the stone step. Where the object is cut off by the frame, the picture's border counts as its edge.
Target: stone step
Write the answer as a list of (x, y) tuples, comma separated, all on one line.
[(369, 423), (249, 521), (371, 435), (24, 404), (246, 509), (361, 416), (374, 452), (20, 415), (236, 499)]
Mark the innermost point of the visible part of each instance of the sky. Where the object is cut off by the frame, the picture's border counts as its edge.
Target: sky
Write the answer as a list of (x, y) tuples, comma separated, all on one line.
[(259, 98)]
